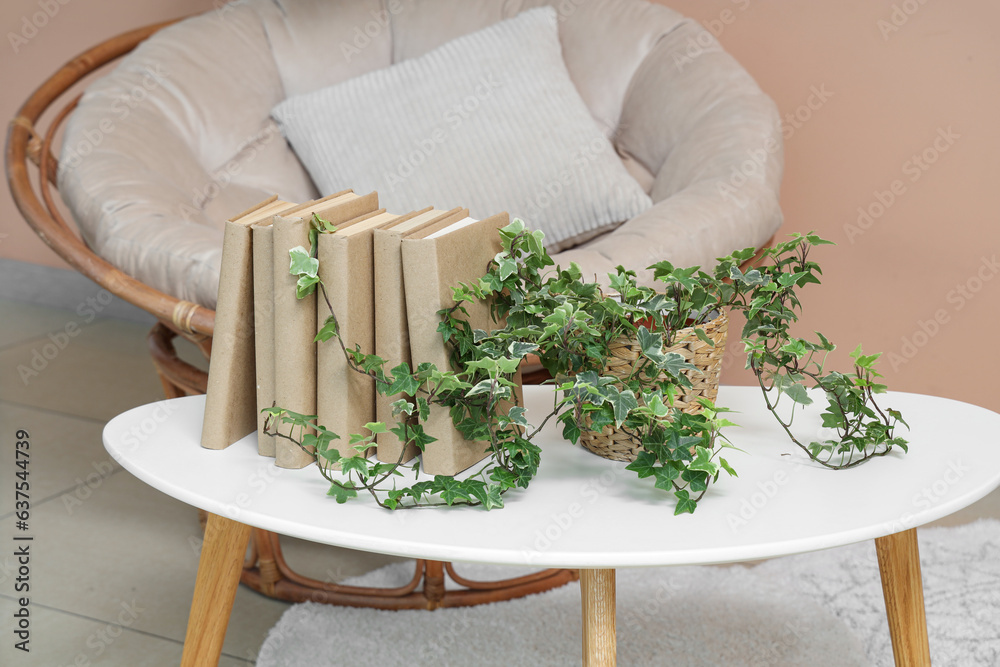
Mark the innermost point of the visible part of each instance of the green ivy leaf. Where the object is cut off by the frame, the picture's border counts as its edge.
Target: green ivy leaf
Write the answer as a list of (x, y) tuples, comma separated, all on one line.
[(302, 263), (516, 415), (451, 489), (358, 464), (494, 499), (376, 427), (665, 476), (797, 393), (728, 468), (675, 364), (482, 387), (402, 381), (622, 402), (305, 286), (328, 330), (703, 337), (342, 492), (651, 344), (571, 430), (702, 461), (655, 404), (685, 504), (644, 464)]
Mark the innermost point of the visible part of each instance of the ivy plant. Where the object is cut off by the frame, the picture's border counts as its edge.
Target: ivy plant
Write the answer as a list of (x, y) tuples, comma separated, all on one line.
[(788, 366), (570, 324)]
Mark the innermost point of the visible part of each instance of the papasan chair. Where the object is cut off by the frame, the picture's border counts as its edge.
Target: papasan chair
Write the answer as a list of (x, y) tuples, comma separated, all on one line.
[(177, 138)]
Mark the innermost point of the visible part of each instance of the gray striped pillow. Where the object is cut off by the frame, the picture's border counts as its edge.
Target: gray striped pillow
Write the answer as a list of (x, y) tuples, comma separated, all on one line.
[(490, 121)]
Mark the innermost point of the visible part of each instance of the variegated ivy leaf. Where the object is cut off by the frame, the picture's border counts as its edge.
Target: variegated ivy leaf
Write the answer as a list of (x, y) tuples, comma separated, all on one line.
[(302, 263), (622, 402)]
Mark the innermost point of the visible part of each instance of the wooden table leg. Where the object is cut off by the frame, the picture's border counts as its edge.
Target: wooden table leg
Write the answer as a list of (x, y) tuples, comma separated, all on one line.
[(215, 586), (902, 587), (597, 590)]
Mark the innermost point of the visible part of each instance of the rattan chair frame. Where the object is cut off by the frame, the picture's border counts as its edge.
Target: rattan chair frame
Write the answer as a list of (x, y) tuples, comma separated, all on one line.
[(265, 569)]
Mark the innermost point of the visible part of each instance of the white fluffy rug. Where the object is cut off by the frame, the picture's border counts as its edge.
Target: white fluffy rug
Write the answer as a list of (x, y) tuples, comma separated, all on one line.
[(817, 609)]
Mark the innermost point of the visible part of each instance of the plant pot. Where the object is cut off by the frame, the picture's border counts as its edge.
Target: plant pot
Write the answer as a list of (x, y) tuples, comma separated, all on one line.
[(625, 352)]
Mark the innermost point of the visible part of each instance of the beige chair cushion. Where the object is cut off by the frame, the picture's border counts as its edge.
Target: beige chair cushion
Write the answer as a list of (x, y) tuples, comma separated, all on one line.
[(178, 137), (489, 121)]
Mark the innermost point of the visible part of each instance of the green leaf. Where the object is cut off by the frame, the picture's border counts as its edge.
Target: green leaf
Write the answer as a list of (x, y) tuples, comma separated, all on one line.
[(508, 267), (372, 363), (324, 225), (665, 476), (423, 408), (376, 427), (696, 479), (675, 364), (728, 468), (571, 431), (702, 461), (342, 492), (305, 286), (519, 348), (328, 330), (622, 402), (898, 416), (516, 415), (796, 347), (402, 381), (302, 263), (797, 393), (358, 464), (703, 337), (685, 504), (451, 489), (651, 344), (644, 464), (655, 404), (482, 387), (754, 277)]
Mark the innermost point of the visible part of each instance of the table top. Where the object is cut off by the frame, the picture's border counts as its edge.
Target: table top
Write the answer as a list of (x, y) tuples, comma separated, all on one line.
[(584, 511)]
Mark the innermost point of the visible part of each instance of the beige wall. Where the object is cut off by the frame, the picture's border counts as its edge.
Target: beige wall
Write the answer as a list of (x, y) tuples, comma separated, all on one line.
[(916, 281), (68, 27)]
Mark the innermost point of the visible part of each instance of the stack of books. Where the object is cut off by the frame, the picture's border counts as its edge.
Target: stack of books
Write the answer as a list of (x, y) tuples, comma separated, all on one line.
[(386, 276)]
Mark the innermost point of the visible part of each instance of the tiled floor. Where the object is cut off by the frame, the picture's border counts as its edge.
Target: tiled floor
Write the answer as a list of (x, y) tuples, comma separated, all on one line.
[(113, 561)]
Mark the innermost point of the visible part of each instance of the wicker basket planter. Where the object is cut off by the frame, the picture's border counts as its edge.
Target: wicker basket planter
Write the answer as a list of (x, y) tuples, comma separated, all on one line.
[(613, 444)]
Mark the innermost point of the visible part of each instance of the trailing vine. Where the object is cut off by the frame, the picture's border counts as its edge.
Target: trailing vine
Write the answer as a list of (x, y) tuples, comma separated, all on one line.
[(569, 324), (786, 365)]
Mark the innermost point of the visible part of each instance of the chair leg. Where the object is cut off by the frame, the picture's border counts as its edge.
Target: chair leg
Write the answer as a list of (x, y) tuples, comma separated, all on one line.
[(902, 587)]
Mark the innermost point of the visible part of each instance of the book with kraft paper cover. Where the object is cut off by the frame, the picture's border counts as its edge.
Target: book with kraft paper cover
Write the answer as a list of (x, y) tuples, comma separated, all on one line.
[(230, 401), (435, 259), (392, 338), (295, 319)]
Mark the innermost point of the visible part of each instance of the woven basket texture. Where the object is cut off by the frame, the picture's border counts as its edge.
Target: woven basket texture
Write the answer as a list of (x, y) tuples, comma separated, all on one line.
[(625, 352)]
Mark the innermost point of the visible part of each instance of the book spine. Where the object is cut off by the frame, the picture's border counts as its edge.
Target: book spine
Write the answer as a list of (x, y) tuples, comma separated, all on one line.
[(450, 453), (294, 348), (392, 339), (263, 322), (345, 398), (231, 402)]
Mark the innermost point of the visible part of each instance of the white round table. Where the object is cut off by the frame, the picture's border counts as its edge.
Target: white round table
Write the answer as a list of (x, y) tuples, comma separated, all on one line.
[(585, 512)]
